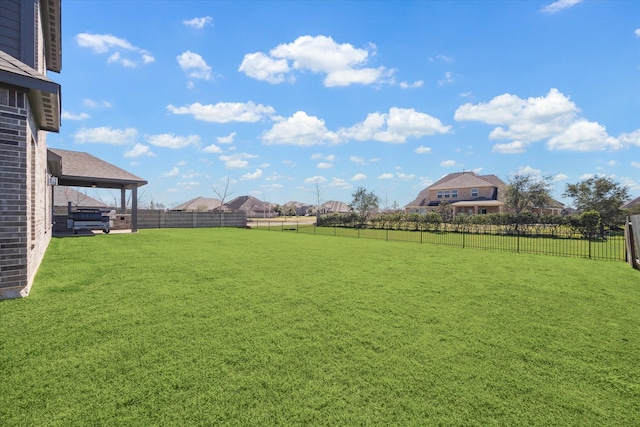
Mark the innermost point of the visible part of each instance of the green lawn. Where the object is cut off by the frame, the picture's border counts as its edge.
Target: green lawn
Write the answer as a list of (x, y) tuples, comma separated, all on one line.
[(239, 327)]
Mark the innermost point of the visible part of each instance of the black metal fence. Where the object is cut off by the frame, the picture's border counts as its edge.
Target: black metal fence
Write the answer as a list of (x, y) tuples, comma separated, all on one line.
[(556, 242)]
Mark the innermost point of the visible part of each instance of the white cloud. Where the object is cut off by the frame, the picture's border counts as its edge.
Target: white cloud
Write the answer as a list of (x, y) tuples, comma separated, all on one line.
[(226, 139), (342, 64), (552, 117), (172, 141), (357, 160), (442, 58), (559, 5), (237, 161), (139, 150), (635, 164), (251, 176), (70, 116), (447, 80), (448, 164), (173, 172), (105, 135), (324, 165), (395, 127), (422, 150), (612, 163), (264, 68), (105, 43), (637, 32), (632, 138), (194, 65), (339, 183), (198, 22), (117, 57), (319, 179), (300, 129), (385, 176), (515, 147), (95, 104), (225, 112), (584, 136), (212, 149), (416, 84), (560, 177), (359, 177), (406, 177), (528, 170)]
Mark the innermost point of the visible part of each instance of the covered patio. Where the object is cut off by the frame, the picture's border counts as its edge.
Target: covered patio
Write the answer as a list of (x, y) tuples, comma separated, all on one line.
[(78, 169)]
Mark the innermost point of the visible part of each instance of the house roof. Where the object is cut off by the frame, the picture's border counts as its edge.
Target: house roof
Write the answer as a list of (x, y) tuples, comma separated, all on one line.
[(63, 195), (78, 169), (632, 203), (457, 180), (248, 203), (335, 206), (44, 93), (464, 180), (199, 203)]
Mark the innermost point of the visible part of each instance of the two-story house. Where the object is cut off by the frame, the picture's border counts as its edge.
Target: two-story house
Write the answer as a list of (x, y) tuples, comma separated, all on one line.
[(29, 108), (465, 192)]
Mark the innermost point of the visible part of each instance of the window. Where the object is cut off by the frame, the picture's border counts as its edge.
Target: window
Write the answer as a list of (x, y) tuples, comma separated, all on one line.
[(474, 192), (439, 194), (454, 194), (447, 194)]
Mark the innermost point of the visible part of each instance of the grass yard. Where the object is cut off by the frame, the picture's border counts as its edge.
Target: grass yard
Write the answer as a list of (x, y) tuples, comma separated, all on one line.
[(201, 327)]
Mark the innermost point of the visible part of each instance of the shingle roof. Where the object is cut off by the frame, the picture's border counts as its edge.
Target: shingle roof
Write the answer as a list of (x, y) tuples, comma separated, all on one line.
[(63, 195), (44, 93), (335, 206), (199, 203), (634, 202), (84, 170)]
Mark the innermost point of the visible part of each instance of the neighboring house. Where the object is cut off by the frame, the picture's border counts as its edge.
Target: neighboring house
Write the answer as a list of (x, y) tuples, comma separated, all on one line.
[(199, 204), (632, 204), (30, 39), (301, 209), (253, 207), (63, 196), (553, 208), (465, 192), (334, 206)]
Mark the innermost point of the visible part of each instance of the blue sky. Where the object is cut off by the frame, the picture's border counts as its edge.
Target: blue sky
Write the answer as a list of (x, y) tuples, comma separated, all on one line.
[(390, 96)]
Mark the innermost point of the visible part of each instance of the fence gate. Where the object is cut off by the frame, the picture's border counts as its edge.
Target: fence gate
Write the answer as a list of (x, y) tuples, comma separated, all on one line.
[(632, 237)]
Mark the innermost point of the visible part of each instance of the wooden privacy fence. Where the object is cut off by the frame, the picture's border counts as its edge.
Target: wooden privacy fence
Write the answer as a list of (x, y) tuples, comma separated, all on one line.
[(632, 238), (148, 218)]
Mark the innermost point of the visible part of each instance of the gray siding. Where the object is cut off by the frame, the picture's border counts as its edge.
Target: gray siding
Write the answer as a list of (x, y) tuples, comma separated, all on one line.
[(10, 27)]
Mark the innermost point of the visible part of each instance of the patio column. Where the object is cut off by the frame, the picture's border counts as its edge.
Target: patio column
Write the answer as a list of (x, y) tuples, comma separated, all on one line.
[(123, 201), (134, 209)]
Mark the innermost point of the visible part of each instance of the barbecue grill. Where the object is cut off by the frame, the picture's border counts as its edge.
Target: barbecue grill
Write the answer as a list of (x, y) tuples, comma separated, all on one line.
[(89, 219)]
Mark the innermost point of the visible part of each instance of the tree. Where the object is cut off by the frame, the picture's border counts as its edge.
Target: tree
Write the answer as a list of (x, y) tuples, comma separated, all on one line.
[(364, 203), (600, 194), (525, 192), (222, 193)]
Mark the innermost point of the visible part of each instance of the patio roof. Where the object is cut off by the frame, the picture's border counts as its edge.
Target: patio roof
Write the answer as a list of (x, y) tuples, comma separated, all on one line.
[(77, 169)]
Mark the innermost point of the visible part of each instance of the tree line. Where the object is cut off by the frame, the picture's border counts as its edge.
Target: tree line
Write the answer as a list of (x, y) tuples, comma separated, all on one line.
[(598, 200)]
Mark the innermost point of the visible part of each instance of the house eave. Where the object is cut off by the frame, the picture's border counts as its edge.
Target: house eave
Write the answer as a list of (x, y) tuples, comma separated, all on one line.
[(51, 21)]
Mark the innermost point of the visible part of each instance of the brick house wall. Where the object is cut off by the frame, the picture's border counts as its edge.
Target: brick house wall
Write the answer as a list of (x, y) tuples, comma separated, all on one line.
[(25, 195)]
